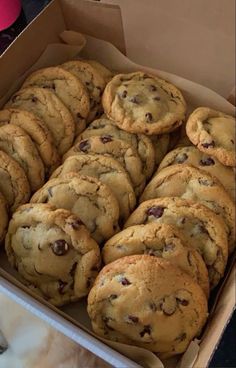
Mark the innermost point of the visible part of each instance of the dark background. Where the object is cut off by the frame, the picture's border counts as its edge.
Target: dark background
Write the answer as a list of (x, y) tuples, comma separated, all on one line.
[(225, 355)]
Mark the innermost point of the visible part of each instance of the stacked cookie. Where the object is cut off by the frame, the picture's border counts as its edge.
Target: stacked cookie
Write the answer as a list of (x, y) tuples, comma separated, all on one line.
[(165, 255), (37, 126)]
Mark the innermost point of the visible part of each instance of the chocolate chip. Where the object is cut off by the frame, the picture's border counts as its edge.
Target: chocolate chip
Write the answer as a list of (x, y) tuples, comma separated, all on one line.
[(205, 182), (232, 141), (156, 211), (148, 117), (135, 100), (84, 145), (146, 330), (181, 337), (132, 319), (153, 88), (76, 224), (61, 285), (87, 83), (106, 138), (153, 307), (207, 161), (112, 297), (182, 220), (169, 247), (60, 247), (124, 281), (156, 98), (208, 144), (124, 94), (34, 99), (183, 302), (181, 158)]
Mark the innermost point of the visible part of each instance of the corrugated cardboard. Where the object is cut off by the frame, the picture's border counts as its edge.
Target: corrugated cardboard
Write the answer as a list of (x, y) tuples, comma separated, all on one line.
[(105, 22)]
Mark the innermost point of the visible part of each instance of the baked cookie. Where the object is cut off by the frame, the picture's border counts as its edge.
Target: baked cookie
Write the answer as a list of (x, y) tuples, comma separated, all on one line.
[(158, 240), (116, 148), (92, 80), (160, 144), (49, 108), (17, 144), (53, 251), (105, 73), (86, 197), (202, 228), (14, 184), (3, 218), (148, 302), (142, 103), (37, 131), (68, 88), (140, 142), (192, 156), (213, 132), (192, 183), (109, 172)]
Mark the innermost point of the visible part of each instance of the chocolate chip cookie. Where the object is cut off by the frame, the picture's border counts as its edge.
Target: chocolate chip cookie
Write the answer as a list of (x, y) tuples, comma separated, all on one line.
[(14, 184), (68, 88), (148, 302), (214, 133), (49, 108), (53, 251), (109, 172), (3, 218), (117, 149), (17, 144), (203, 229), (86, 197), (142, 103), (92, 80), (140, 142), (38, 132), (192, 183), (192, 156), (158, 240)]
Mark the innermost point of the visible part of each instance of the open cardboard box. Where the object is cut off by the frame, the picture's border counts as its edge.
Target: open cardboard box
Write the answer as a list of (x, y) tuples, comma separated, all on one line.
[(147, 37)]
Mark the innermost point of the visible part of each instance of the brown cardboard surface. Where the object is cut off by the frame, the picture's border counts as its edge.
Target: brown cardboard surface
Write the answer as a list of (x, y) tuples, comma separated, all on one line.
[(106, 53)]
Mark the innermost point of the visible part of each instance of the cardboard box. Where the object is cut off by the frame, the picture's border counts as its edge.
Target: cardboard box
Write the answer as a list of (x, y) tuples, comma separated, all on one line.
[(128, 30)]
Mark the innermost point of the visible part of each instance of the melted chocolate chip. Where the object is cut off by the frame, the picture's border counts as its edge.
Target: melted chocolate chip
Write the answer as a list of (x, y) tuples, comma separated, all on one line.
[(124, 281), (76, 224), (106, 138), (232, 141), (156, 211), (207, 161), (148, 117), (156, 98), (60, 247), (135, 100), (146, 330), (181, 158), (84, 145), (133, 319), (61, 285), (34, 99), (183, 302), (208, 145), (124, 94), (205, 182), (153, 88), (169, 247)]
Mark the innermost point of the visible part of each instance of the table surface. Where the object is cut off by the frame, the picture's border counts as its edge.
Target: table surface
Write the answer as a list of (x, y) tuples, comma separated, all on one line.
[(225, 355)]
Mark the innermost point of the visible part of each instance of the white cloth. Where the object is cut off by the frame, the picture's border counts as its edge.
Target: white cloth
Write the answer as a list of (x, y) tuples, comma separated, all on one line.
[(33, 344)]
